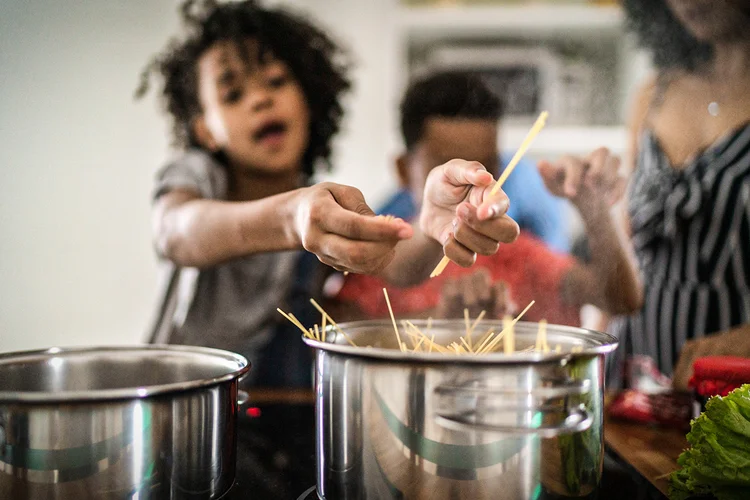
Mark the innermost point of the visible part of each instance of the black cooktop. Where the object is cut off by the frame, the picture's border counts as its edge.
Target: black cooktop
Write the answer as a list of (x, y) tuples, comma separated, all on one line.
[(276, 459), (275, 453)]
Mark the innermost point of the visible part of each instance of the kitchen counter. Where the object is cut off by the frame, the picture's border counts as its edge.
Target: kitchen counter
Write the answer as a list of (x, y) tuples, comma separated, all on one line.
[(284, 419), (651, 451)]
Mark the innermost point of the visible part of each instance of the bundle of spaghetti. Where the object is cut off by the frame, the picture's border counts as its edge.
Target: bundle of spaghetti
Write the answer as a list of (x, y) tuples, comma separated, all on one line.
[(415, 332), (507, 330), (421, 342)]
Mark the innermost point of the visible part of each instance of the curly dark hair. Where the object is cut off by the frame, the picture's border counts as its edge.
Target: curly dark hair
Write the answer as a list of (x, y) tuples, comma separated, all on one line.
[(660, 32), (318, 64), (447, 94)]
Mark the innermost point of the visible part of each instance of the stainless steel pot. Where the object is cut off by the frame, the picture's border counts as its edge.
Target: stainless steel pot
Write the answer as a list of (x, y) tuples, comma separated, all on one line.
[(150, 422), (436, 426)]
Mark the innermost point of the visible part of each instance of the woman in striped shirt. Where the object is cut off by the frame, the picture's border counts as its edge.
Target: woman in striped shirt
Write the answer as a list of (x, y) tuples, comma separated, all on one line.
[(689, 202)]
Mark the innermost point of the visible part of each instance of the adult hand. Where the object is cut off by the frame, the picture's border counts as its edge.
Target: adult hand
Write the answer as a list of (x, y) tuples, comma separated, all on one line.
[(589, 182)]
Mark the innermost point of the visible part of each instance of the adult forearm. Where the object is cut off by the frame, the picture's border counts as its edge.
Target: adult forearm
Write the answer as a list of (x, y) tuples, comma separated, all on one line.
[(617, 289)]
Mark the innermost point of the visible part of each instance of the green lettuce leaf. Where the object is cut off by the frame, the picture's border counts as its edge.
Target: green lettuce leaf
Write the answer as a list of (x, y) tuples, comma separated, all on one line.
[(718, 461), (725, 412)]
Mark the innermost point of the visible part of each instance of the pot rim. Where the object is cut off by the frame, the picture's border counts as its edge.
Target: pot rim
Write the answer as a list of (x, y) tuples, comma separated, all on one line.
[(605, 343), (142, 392)]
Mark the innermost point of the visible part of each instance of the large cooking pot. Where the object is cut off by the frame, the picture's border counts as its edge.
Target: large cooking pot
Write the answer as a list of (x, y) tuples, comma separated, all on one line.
[(147, 422), (435, 426)]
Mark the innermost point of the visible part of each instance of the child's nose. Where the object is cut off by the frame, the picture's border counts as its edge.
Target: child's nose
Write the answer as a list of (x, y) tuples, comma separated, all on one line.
[(260, 97)]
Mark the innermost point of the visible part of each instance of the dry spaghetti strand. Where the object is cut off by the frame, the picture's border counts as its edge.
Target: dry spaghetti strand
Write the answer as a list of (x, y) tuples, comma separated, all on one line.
[(323, 327), (293, 321), (510, 340), (416, 347), (500, 336), (431, 341), (440, 267), (484, 342), (535, 129), (333, 323), (474, 326), (393, 319)]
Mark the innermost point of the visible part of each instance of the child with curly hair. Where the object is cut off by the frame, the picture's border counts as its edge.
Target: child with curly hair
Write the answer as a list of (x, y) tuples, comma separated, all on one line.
[(254, 94)]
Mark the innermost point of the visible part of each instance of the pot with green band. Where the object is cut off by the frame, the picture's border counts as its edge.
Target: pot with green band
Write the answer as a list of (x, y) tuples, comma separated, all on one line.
[(428, 425), (147, 422)]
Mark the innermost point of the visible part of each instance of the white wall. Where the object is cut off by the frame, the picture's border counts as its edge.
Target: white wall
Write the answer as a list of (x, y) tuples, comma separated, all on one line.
[(77, 157)]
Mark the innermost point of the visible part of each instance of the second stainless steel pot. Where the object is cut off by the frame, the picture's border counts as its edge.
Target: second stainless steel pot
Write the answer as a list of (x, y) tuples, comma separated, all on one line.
[(434, 426), (140, 423)]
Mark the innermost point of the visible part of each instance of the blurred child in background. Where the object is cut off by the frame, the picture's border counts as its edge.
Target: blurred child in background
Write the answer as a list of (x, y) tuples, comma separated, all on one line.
[(454, 115)]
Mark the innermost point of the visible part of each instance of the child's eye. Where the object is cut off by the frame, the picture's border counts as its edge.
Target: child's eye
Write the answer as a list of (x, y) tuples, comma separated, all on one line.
[(278, 81), (233, 95)]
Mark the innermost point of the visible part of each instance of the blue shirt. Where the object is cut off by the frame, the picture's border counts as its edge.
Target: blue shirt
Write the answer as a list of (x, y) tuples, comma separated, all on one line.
[(534, 208)]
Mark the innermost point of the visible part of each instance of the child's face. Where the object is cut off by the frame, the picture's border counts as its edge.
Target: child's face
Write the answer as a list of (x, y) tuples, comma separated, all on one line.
[(255, 113), (445, 139)]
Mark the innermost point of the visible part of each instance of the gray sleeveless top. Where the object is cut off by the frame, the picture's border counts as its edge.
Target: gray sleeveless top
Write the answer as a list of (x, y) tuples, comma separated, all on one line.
[(231, 306)]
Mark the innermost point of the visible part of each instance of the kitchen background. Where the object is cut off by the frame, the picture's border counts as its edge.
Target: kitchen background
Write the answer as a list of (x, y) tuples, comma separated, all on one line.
[(78, 154)]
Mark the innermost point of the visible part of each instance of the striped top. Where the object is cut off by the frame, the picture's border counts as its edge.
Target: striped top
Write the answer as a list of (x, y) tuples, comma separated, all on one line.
[(691, 234)]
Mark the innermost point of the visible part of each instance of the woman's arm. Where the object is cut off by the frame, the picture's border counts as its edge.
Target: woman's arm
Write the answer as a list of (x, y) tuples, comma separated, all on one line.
[(593, 184), (610, 280)]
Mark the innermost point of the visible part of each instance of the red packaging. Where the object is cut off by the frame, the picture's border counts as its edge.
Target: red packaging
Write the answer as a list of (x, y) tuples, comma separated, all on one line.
[(650, 398), (671, 409), (719, 375)]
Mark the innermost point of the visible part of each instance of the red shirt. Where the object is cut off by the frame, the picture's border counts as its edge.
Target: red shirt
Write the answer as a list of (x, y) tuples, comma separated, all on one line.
[(528, 267)]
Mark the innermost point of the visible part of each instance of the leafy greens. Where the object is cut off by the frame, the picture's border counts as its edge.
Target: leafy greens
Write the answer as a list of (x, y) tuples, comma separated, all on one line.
[(718, 461)]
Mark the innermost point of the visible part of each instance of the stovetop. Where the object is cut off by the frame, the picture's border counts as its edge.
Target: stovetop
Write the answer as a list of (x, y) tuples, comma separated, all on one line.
[(310, 494), (275, 453), (276, 459)]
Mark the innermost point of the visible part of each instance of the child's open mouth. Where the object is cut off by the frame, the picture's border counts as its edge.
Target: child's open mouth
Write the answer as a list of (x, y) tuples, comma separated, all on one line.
[(271, 134)]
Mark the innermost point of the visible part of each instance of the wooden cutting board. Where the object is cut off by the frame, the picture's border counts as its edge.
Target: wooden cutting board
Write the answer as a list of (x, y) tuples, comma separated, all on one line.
[(652, 451)]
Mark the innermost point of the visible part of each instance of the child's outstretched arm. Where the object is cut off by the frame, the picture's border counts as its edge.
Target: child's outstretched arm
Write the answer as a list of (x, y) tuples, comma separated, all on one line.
[(331, 220), (593, 184), (459, 218)]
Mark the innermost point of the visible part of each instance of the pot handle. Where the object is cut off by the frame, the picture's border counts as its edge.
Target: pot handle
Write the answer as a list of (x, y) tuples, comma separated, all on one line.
[(578, 419), (545, 411), (242, 397), (558, 389)]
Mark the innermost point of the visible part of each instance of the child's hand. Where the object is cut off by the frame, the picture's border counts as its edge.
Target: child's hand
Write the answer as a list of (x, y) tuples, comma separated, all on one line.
[(475, 292), (459, 212), (334, 222), (588, 182)]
